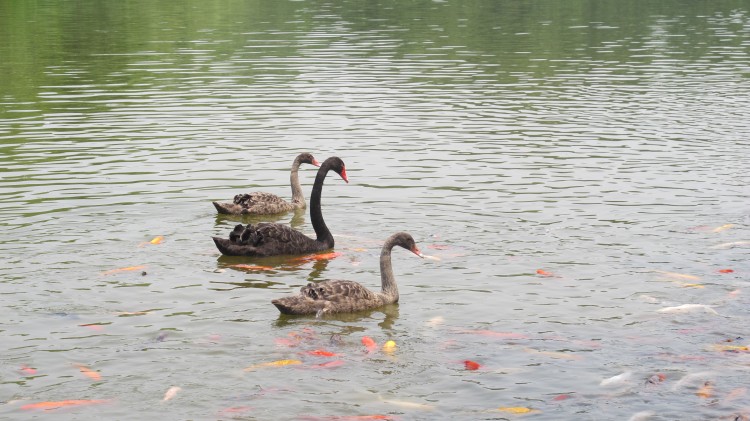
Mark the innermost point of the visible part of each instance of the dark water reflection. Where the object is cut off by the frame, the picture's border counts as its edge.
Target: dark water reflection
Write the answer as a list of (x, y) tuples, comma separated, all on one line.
[(573, 167)]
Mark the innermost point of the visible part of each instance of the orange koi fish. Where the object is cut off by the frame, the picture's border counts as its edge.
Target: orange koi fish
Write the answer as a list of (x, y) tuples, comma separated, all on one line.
[(471, 365), (369, 343), (322, 353), (93, 375), (156, 240), (329, 364), (543, 272), (278, 363), (725, 270), (706, 391), (49, 405), (27, 371), (251, 267), (93, 326), (126, 269), (314, 257)]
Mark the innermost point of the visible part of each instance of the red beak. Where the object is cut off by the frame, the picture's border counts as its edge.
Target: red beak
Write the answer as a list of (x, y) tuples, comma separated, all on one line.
[(315, 162), (416, 251), (343, 174)]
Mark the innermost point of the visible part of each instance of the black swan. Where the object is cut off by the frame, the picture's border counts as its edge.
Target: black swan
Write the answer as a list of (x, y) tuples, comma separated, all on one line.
[(329, 297), (270, 239), (261, 203)]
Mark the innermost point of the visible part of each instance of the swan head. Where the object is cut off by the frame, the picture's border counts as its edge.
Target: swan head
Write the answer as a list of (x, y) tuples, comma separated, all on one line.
[(307, 158), (406, 241), (335, 163)]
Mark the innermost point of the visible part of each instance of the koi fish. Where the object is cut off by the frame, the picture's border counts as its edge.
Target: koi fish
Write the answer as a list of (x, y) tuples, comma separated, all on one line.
[(329, 364), (642, 416), (735, 293), (27, 371), (278, 363), (50, 405), (616, 380), (722, 228), (251, 267), (314, 257), (126, 269), (438, 246), (676, 275), (725, 270), (322, 353), (407, 404), (543, 272), (516, 409), (93, 375), (733, 244), (656, 378), (132, 313), (562, 397), (369, 343), (171, 393), (231, 411), (471, 365), (687, 308), (706, 391), (389, 347), (435, 321), (692, 285), (730, 348), (93, 326)]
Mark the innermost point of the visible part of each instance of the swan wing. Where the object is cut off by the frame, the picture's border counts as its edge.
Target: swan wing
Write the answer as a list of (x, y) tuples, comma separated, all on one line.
[(336, 291)]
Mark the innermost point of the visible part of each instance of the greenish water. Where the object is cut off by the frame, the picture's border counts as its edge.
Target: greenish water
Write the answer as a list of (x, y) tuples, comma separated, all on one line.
[(572, 166)]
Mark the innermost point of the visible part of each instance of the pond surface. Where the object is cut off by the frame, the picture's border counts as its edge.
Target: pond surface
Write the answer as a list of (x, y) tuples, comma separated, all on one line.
[(572, 168)]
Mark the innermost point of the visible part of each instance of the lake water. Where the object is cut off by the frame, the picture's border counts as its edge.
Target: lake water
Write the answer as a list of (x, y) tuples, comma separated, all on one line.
[(572, 168)]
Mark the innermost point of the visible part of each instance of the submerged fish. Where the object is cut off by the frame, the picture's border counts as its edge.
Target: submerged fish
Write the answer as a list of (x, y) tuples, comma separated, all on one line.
[(733, 244), (517, 410), (471, 365), (676, 275), (171, 393), (369, 343), (125, 269), (93, 375), (617, 380), (50, 405), (278, 363), (687, 308), (251, 267)]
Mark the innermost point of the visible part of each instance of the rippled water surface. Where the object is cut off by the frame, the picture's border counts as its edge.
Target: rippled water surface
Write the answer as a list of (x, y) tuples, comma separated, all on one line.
[(571, 167)]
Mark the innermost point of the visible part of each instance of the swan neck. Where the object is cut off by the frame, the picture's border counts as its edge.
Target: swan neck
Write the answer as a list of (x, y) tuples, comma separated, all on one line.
[(322, 233), (298, 197), (387, 279)]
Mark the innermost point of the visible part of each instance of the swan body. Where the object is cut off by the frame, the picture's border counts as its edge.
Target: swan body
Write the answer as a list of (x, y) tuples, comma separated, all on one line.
[(262, 203), (329, 297), (271, 239)]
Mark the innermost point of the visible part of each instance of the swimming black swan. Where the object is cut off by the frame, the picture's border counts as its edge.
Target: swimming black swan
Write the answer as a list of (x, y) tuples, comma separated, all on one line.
[(329, 297), (261, 203), (270, 239)]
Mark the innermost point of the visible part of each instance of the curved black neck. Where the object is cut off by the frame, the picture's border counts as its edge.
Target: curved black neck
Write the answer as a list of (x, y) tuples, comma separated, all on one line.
[(316, 215)]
